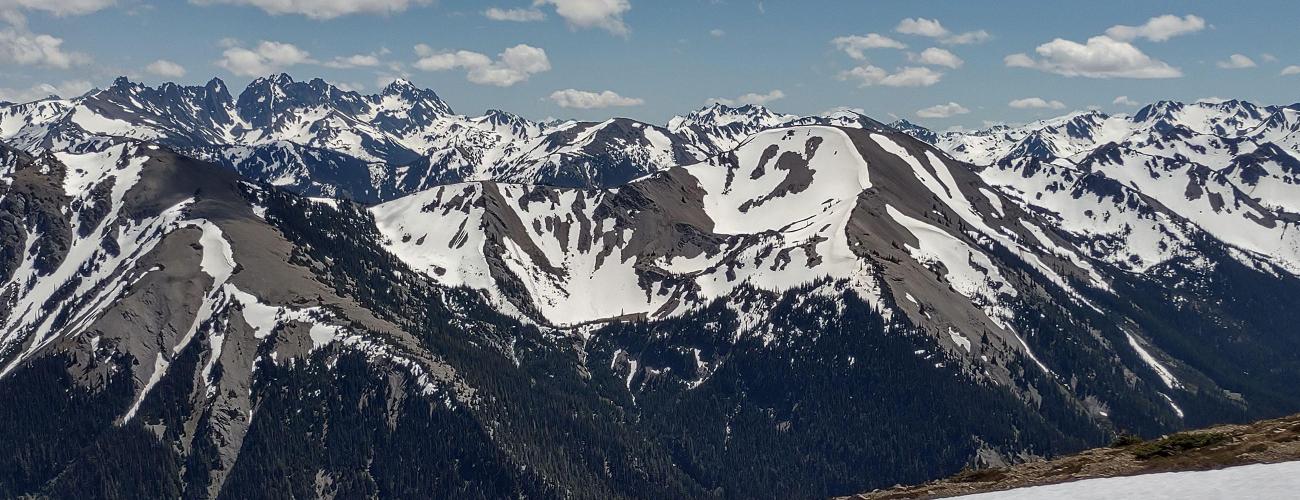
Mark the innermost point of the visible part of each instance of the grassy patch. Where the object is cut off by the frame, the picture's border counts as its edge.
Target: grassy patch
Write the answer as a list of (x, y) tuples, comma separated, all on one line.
[(1177, 443), (969, 475), (1125, 440)]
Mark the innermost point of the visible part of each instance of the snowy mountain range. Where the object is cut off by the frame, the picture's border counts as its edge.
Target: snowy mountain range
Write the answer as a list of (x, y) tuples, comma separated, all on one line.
[(330, 288)]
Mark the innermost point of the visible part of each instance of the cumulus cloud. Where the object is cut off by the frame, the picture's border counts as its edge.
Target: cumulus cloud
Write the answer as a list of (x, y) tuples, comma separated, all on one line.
[(1124, 101), (750, 98), (12, 11), (602, 14), (265, 58), (845, 109), (935, 56), (932, 28), (910, 76), (514, 15), (717, 33), (514, 65), (355, 61), (1291, 70), (71, 88), (921, 27), (942, 111), (1101, 57), (1036, 103), (857, 45), (968, 38), (582, 99), (1236, 61), (323, 9), (19, 46), (350, 86), (165, 68), (1158, 29)]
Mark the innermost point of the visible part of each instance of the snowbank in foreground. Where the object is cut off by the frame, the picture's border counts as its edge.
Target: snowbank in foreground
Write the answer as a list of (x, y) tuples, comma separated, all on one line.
[(1260, 481)]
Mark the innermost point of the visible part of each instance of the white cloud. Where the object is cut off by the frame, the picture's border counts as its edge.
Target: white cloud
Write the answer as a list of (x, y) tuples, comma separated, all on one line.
[(845, 109), (857, 45), (11, 11), (582, 99), (922, 27), (350, 86), (750, 98), (1020, 60), (323, 9), (935, 56), (165, 68), (968, 38), (717, 33), (384, 79), (1291, 70), (266, 58), (1268, 58), (1236, 61), (19, 46), (70, 88), (603, 14), (1036, 103), (1100, 57), (942, 111), (910, 76), (354, 61), (514, 15), (1158, 29), (514, 65), (1124, 101), (933, 29)]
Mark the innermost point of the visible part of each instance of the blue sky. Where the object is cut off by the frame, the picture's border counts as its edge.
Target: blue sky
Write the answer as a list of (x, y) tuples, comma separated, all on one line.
[(649, 60)]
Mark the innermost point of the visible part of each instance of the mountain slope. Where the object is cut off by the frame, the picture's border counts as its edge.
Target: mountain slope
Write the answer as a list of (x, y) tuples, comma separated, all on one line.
[(825, 287)]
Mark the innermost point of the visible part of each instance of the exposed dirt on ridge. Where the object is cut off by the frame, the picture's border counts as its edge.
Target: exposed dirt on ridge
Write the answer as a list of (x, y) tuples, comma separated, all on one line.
[(1267, 441)]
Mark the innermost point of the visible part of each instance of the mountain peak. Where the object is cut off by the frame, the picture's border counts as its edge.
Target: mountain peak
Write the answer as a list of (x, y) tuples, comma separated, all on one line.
[(399, 85), (124, 84)]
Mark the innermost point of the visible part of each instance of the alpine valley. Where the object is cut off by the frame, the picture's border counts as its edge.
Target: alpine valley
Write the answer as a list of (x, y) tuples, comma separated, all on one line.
[(303, 292)]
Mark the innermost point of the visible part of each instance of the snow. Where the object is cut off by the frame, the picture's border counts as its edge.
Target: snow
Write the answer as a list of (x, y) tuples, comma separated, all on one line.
[(969, 271), (86, 258), (159, 368), (1247, 482), (959, 339), (322, 335), (447, 239), (440, 232), (995, 201), (1165, 375)]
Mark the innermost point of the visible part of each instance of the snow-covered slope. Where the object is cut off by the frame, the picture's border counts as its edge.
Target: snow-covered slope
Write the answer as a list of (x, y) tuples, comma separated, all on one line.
[(1247, 482), (642, 249), (875, 213), (1138, 186), (135, 253)]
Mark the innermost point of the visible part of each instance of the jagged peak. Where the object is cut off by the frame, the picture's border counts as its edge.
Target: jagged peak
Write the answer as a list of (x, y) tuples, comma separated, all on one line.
[(277, 79), (497, 115), (216, 84), (399, 85), (123, 82)]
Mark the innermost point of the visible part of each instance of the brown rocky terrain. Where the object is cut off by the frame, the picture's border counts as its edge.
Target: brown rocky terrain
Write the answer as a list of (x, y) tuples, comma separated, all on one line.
[(1267, 441)]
